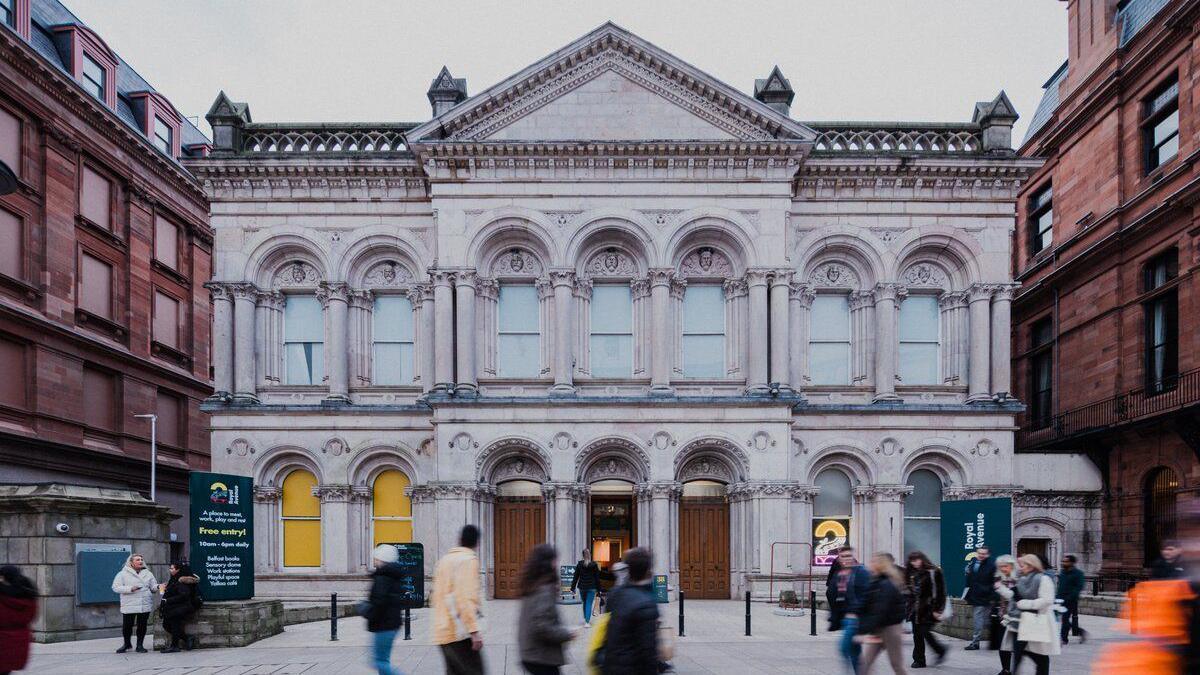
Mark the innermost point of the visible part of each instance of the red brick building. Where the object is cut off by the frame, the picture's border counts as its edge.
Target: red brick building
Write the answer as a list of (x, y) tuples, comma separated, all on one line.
[(104, 251), (1107, 320)]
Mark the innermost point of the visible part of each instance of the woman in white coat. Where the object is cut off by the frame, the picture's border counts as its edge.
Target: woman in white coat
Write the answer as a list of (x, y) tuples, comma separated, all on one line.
[(136, 585), (1030, 621)]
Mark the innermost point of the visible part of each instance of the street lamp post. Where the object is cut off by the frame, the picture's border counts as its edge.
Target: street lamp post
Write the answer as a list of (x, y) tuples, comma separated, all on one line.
[(153, 453)]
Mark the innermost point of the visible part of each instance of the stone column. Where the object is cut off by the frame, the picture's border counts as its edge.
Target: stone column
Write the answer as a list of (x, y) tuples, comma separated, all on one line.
[(640, 293), (425, 336), (756, 372), (267, 533), (580, 494), (888, 520), (862, 337), (735, 326), (886, 296), (979, 297), (781, 338), (583, 326), (545, 295), (660, 524), (564, 518), (1002, 340), (487, 323), (464, 288), (443, 330), (222, 338), (335, 297), (953, 309), (800, 297), (362, 338), (660, 312), (675, 337), (564, 381), (244, 295), (424, 520), (673, 559), (361, 528), (641, 494), (335, 521), (800, 515)]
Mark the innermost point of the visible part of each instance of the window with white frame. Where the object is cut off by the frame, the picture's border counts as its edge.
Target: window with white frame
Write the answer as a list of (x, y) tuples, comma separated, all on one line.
[(611, 339), (163, 135), (93, 78), (829, 339), (704, 331), (919, 340), (392, 334), (303, 340), (8, 12), (518, 340)]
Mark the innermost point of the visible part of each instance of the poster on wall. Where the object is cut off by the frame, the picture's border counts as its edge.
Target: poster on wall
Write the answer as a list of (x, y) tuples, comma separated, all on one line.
[(967, 525), (222, 535), (829, 535)]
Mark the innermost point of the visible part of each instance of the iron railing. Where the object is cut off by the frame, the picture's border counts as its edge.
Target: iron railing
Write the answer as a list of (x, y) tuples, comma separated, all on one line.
[(1170, 394)]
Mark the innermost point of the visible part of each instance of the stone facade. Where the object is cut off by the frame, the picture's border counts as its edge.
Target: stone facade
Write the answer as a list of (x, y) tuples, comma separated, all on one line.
[(1114, 213), (547, 179)]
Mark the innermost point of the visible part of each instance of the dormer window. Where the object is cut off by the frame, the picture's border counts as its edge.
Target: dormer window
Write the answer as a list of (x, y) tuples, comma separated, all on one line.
[(15, 15), (159, 119), (93, 78), (93, 64), (163, 135)]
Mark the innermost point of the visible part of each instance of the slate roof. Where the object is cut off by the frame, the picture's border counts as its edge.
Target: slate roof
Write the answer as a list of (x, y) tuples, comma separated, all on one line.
[(1134, 16), (1048, 103), (45, 14)]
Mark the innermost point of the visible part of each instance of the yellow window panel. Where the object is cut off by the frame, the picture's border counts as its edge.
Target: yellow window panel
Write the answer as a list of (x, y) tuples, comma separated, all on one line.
[(298, 499), (301, 543), (393, 532), (388, 496)]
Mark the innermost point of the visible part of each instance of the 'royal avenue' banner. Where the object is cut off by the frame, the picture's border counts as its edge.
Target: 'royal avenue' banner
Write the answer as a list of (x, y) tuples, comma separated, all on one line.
[(967, 525), (222, 535)]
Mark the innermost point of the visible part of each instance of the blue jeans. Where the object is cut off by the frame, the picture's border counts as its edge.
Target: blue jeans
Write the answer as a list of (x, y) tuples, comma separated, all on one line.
[(383, 652), (588, 598), (848, 647)]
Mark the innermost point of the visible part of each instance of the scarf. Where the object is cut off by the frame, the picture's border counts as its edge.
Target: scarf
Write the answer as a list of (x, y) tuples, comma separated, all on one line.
[(1027, 588)]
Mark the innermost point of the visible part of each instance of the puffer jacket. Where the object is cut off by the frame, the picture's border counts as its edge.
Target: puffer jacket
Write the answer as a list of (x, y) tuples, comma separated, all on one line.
[(180, 599), (386, 600), (141, 600)]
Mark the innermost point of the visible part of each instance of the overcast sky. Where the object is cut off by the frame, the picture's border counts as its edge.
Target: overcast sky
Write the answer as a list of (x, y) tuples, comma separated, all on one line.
[(373, 60)]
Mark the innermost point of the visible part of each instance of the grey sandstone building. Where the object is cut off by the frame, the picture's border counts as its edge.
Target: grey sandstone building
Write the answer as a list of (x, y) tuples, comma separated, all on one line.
[(613, 301)]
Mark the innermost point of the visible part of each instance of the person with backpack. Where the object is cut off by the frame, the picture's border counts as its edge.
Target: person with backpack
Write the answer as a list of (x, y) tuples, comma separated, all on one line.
[(540, 631), (587, 580), (135, 583), (928, 588), (18, 607), (384, 607), (180, 601)]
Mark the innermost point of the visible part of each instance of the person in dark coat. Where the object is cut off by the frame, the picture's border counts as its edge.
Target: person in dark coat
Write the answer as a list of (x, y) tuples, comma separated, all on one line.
[(928, 588), (980, 575), (1071, 581), (1170, 565), (835, 621), (384, 608), (587, 580), (882, 613), (631, 640), (540, 631), (850, 588), (18, 607), (180, 600)]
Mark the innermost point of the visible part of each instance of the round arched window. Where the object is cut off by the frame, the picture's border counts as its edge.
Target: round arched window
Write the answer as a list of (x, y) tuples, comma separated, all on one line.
[(923, 515)]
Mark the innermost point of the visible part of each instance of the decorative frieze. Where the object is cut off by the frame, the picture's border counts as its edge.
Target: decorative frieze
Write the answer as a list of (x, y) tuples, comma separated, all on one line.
[(296, 274), (707, 263), (388, 274)]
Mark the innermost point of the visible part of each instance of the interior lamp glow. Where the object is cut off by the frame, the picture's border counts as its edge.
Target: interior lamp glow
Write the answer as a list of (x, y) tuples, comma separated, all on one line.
[(600, 550)]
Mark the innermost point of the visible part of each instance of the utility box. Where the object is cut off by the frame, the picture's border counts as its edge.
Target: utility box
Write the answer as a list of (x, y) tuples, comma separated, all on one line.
[(94, 572)]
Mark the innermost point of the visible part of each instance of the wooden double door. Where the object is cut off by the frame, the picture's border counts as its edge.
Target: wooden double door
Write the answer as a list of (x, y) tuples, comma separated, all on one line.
[(520, 525), (704, 547)]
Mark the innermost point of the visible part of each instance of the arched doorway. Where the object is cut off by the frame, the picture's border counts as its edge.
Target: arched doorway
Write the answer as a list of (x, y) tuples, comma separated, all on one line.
[(520, 522), (704, 539), (831, 515), (1158, 509), (613, 469)]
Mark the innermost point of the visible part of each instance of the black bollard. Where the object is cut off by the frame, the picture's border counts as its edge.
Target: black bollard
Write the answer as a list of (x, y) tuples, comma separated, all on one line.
[(1096, 585), (680, 613), (407, 624), (333, 617), (812, 612), (747, 613)]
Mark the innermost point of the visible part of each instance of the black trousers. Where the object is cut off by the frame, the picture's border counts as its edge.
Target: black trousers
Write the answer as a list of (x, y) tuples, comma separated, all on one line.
[(922, 633), (127, 621), (461, 659), (1042, 661), (175, 627), (1070, 619), (540, 668)]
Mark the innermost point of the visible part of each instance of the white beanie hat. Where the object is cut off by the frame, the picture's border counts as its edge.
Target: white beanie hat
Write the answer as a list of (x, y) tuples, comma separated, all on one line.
[(385, 553)]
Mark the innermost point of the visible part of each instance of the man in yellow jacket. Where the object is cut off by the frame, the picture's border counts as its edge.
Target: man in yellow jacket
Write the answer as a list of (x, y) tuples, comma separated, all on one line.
[(457, 606)]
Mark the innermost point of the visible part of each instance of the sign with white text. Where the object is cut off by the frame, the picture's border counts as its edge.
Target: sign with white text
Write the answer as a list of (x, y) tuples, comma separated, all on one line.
[(222, 535), (967, 525)]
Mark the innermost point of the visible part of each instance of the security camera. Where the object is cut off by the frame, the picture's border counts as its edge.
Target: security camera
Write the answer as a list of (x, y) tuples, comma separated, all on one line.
[(62, 528)]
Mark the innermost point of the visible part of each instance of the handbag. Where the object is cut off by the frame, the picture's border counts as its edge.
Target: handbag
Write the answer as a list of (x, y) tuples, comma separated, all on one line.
[(666, 644), (948, 607)]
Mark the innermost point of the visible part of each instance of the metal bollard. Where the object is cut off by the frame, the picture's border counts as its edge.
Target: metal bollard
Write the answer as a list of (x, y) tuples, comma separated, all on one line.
[(680, 613), (747, 613), (407, 624), (333, 617), (812, 612), (1096, 585)]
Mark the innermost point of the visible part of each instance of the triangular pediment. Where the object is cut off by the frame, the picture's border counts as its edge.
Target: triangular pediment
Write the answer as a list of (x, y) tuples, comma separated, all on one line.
[(611, 86)]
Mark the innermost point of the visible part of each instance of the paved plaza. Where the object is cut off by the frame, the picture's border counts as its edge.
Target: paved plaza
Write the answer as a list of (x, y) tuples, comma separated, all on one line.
[(714, 644)]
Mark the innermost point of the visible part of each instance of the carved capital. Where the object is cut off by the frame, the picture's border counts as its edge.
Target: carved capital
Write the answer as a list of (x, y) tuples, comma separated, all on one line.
[(419, 294), (803, 293), (782, 277), (980, 292), (952, 300), (583, 288), (956, 493), (884, 492), (757, 276), (735, 288), (545, 289), (1004, 292), (487, 288), (332, 492), (640, 288), (439, 277), (804, 493), (890, 291), (562, 278), (678, 286), (465, 278), (361, 493), (660, 276), (861, 300), (244, 291), (362, 299), (329, 291), (264, 494), (219, 291)]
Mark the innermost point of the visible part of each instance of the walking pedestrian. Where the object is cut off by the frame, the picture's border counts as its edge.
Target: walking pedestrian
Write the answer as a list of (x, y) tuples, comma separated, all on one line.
[(180, 601), (1006, 579), (631, 645), (135, 583), (457, 606), (928, 588), (980, 575), (1170, 565), (541, 633), (384, 608), (18, 607), (849, 592), (587, 580), (831, 593), (1030, 615), (882, 614), (1070, 586)]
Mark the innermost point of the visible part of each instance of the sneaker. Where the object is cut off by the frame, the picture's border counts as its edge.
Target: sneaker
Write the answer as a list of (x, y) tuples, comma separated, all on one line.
[(917, 665), (125, 648), (171, 650), (587, 624), (141, 650), (974, 646)]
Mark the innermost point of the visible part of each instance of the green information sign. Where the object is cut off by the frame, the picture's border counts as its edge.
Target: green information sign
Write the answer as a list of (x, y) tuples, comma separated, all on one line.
[(222, 535), (967, 525), (660, 588)]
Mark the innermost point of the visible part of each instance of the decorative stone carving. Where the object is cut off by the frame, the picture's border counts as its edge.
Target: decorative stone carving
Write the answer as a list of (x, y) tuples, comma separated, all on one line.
[(661, 440), (805, 293), (516, 263), (889, 447), (1059, 500), (760, 441), (518, 468), (735, 288), (332, 493), (954, 493), (296, 274), (834, 275), (984, 448), (804, 493), (388, 273), (883, 492), (463, 441), (333, 290), (612, 468), (706, 262), (861, 299), (615, 445), (504, 445), (335, 447), (240, 447), (798, 447), (563, 441), (705, 447), (926, 275), (264, 494), (427, 447), (706, 468), (611, 262)]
